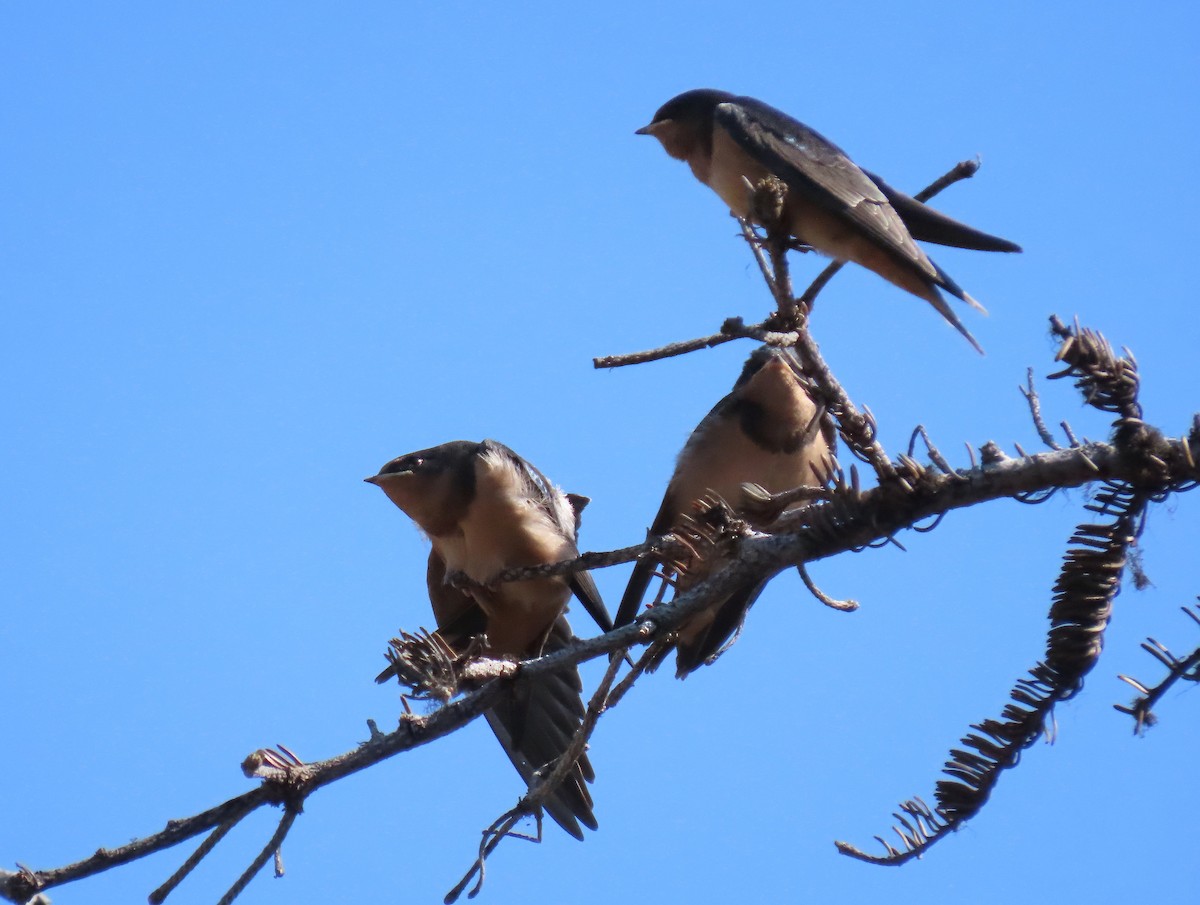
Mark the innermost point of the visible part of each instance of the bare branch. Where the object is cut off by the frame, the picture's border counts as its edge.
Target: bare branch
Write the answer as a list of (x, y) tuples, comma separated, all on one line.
[(732, 328), (998, 477), (271, 848), (1139, 466), (843, 606), (1187, 668), (964, 169), (640, 667), (531, 803), (1107, 382), (210, 842), (935, 454), (1035, 411), (1084, 593), (21, 887), (815, 532), (668, 351), (856, 428), (1088, 583), (778, 280)]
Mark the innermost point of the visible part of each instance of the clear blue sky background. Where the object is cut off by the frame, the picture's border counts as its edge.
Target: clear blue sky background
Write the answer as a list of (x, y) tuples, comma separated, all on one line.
[(251, 252)]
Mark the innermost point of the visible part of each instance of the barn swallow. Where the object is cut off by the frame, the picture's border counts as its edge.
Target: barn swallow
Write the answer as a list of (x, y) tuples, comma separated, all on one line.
[(731, 143), (485, 509), (767, 431)]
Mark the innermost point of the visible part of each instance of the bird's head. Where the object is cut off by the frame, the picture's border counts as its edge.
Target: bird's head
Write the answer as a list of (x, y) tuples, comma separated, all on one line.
[(684, 123), (433, 486)]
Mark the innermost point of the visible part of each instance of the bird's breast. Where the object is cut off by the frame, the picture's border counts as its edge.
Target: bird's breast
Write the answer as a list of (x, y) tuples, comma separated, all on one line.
[(505, 528), (727, 172), (726, 458)]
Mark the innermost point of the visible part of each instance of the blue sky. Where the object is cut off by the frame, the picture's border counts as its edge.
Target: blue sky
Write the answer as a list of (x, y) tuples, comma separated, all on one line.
[(250, 254)]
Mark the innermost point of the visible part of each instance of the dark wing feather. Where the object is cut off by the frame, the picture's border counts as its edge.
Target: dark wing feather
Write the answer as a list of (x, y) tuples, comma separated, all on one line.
[(928, 225), (664, 521), (727, 620), (583, 586), (818, 169), (644, 568), (667, 515), (535, 722), (459, 616)]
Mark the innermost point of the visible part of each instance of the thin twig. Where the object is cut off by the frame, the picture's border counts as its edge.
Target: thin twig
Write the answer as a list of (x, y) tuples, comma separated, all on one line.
[(935, 455), (585, 561), (1035, 410), (808, 299), (159, 895), (540, 789), (844, 606), (732, 328), (856, 428), (668, 351), (632, 676), (272, 846), (1142, 708), (964, 169), (17, 889), (775, 272), (778, 279), (799, 536)]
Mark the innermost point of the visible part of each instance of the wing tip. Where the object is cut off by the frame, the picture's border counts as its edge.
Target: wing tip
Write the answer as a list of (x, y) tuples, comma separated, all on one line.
[(966, 297), (935, 299)]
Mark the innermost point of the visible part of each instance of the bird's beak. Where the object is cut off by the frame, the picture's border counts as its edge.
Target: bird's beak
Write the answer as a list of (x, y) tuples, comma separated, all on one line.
[(384, 476), (646, 130)]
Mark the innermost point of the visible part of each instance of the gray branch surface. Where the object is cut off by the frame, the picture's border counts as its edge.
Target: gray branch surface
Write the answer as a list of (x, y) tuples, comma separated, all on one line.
[(851, 521)]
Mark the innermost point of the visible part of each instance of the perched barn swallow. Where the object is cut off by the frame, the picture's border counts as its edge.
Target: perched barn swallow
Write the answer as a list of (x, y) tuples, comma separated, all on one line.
[(485, 509), (767, 431), (732, 143)]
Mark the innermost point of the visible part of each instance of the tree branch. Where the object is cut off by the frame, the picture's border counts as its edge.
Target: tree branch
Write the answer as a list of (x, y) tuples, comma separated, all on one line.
[(850, 521), (1186, 668), (775, 273)]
